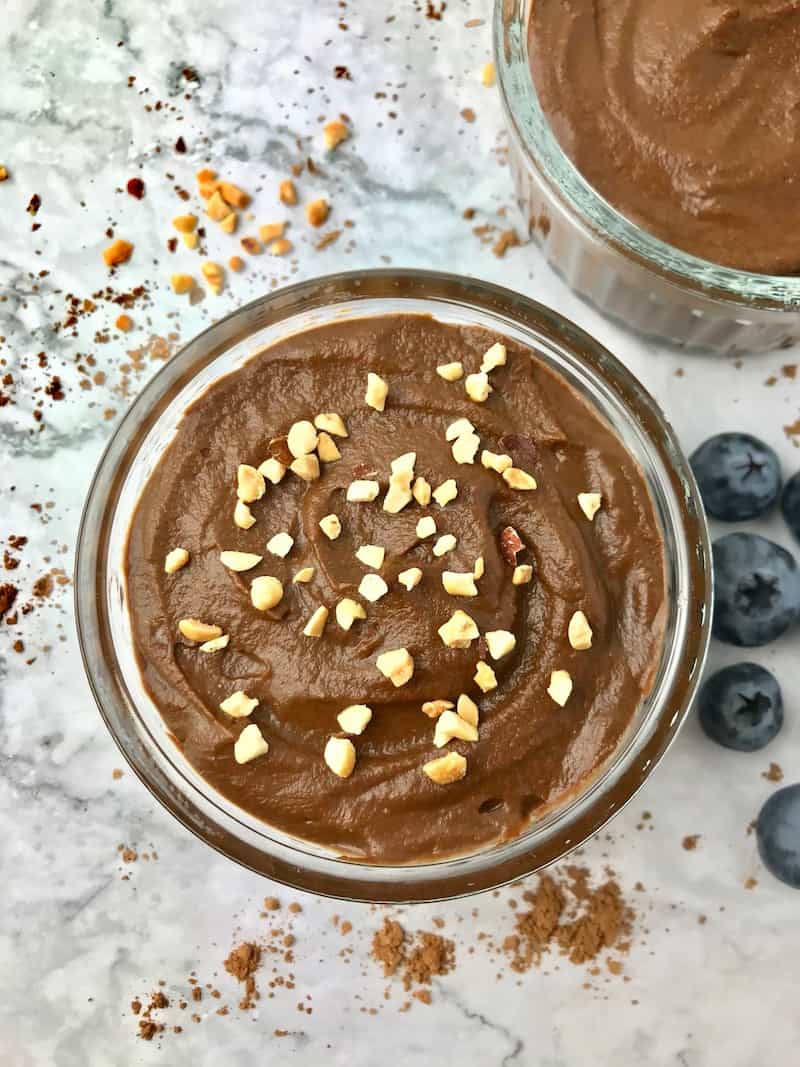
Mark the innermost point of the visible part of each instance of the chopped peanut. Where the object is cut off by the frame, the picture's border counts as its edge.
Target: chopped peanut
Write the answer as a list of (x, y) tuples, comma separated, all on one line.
[(457, 584), (207, 189), (487, 75), (272, 469), (185, 223), (317, 212), (445, 543), (331, 423), (485, 678), (182, 283), (479, 569), (280, 247), (494, 461), (271, 231), (579, 632), (377, 391), (251, 245), (590, 504), (451, 372), (327, 449), (306, 467), (372, 587), (287, 193), (206, 175), (334, 133), (331, 526), (236, 263), (229, 223), (450, 726), (216, 644), (447, 769), (371, 556), (266, 592), (340, 756), (458, 429), (467, 709), (494, 357), (250, 744), (560, 687), (410, 578), (301, 438), (216, 208), (434, 708), (421, 491), (118, 252), (362, 492), (191, 240), (518, 479), (214, 274), (239, 705), (347, 611), (500, 643), (446, 492), (195, 630), (175, 559), (477, 386), (465, 447), (250, 484), (426, 527), (316, 624), (304, 575), (355, 719), (280, 544), (233, 195), (239, 561), (523, 573), (397, 665), (124, 323), (399, 492), (242, 516), (459, 630)]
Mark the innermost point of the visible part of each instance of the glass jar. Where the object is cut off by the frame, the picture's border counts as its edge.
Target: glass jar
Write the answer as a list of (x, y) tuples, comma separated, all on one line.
[(104, 624), (625, 271)]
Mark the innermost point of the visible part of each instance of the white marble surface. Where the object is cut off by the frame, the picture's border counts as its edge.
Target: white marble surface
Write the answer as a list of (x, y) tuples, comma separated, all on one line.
[(77, 941)]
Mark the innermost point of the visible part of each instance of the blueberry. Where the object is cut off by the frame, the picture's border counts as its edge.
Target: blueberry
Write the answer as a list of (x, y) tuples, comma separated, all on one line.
[(778, 835), (741, 707), (756, 589), (739, 476), (790, 504)]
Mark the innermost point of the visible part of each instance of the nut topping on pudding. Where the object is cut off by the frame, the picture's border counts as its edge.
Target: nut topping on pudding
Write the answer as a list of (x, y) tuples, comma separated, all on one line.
[(351, 701)]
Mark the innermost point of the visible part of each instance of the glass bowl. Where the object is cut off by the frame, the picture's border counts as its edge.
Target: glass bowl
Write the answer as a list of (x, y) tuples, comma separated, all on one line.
[(104, 626), (622, 269)]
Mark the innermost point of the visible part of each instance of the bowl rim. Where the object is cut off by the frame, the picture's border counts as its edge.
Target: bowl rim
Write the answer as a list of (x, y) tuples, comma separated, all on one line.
[(447, 879), (530, 128)]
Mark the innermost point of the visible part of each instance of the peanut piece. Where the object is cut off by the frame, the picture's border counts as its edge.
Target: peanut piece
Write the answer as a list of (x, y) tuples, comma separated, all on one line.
[(434, 708), (465, 447), (287, 193), (397, 665), (117, 252), (371, 556), (280, 544), (500, 643), (459, 630), (280, 247), (216, 208), (331, 423), (361, 492), (316, 624), (410, 578), (426, 527), (449, 726), (479, 569), (331, 526), (195, 630), (519, 479), (216, 644), (233, 195), (377, 391), (182, 283), (327, 449), (175, 559), (271, 231), (487, 75), (340, 756), (242, 516), (494, 357), (477, 387), (251, 245), (458, 429), (239, 561), (272, 469), (250, 484), (239, 705), (185, 223), (355, 719), (317, 212), (446, 492), (334, 133), (494, 461), (250, 744), (590, 504), (347, 611), (522, 574), (485, 678), (372, 587), (236, 263), (191, 240), (458, 584), (301, 438), (398, 494), (447, 769), (306, 467), (214, 274), (560, 687), (229, 223), (579, 632), (467, 709), (266, 592), (446, 543), (451, 372), (421, 491), (305, 574)]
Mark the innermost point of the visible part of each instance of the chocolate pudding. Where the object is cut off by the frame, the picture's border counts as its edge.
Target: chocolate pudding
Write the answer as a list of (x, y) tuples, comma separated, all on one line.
[(388, 601), (684, 115)]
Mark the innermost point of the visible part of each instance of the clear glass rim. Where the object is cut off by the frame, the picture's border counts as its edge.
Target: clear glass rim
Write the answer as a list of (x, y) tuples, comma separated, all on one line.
[(529, 126), (294, 865)]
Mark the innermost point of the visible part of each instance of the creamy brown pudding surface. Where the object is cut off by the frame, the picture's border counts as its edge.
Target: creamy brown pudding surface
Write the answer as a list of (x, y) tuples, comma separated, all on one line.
[(684, 114), (533, 556)]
